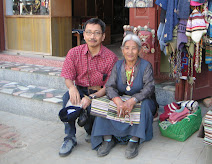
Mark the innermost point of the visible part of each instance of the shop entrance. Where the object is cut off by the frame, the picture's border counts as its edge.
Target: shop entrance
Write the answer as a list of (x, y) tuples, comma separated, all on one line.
[(112, 12)]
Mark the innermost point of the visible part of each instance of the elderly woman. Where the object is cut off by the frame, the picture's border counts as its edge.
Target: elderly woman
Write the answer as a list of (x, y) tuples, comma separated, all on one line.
[(132, 76)]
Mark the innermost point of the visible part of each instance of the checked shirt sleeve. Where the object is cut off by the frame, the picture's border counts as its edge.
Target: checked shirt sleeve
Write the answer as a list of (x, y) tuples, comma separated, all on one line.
[(68, 69)]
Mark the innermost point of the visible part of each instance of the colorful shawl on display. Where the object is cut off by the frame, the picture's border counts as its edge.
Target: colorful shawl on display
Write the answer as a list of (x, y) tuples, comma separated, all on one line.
[(208, 56), (103, 107), (138, 3), (208, 128)]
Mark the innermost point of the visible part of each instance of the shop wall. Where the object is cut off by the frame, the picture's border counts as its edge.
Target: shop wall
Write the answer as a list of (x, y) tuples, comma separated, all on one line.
[(28, 34), (60, 8), (164, 63), (61, 35), (61, 27), (2, 41), (48, 33)]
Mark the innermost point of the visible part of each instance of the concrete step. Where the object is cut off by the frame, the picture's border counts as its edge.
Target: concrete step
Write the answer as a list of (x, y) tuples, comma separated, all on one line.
[(39, 75), (30, 100), (37, 90)]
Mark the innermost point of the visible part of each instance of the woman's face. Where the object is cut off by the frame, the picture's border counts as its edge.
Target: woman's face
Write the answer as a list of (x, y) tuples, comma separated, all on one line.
[(130, 51)]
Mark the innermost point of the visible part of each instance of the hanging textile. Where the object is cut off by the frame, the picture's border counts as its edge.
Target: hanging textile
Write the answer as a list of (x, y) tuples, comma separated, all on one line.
[(138, 3), (208, 56)]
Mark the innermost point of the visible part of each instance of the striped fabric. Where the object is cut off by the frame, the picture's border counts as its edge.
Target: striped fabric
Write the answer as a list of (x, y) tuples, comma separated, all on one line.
[(103, 107), (208, 128), (196, 26), (208, 56)]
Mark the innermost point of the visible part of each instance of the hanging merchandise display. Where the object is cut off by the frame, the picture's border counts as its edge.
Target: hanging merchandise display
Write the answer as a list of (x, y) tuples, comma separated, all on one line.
[(195, 29), (197, 2), (193, 22), (208, 56), (191, 44), (146, 35), (138, 3), (171, 20)]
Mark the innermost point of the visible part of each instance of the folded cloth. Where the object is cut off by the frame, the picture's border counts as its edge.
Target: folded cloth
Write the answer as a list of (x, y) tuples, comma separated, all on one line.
[(175, 117), (168, 109), (190, 104), (103, 107)]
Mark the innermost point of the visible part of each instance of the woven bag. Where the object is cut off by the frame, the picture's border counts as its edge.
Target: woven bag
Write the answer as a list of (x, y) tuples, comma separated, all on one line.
[(184, 128)]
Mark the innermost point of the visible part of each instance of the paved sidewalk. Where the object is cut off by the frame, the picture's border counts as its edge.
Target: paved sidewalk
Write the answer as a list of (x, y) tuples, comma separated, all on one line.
[(26, 140)]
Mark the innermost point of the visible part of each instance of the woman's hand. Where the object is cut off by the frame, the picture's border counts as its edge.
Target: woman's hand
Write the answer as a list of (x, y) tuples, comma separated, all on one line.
[(128, 106), (85, 102), (74, 95), (119, 103)]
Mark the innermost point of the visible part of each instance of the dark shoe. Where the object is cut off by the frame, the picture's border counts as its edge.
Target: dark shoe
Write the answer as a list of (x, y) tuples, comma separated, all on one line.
[(105, 148), (131, 150), (67, 146), (82, 118)]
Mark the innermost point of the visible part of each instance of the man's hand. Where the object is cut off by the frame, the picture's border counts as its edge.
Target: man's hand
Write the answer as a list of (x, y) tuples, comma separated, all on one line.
[(74, 95), (85, 102)]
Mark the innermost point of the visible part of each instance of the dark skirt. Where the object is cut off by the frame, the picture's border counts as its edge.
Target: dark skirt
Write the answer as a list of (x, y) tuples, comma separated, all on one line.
[(144, 130)]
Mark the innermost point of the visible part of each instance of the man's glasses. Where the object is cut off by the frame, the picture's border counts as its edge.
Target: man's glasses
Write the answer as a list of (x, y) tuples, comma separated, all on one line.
[(96, 33)]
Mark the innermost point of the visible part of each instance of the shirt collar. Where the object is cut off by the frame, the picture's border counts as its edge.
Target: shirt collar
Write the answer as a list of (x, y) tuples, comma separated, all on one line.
[(101, 54)]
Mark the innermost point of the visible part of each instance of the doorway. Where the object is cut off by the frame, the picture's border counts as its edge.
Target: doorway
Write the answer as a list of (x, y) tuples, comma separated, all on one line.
[(112, 12)]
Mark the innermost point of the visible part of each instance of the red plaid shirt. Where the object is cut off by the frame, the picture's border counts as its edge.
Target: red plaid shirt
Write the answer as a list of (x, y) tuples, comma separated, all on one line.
[(86, 70)]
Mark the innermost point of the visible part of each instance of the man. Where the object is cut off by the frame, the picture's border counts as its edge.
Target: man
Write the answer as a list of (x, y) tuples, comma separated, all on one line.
[(89, 65)]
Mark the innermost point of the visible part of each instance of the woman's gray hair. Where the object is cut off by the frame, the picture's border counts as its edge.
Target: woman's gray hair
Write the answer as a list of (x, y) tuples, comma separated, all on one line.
[(132, 37)]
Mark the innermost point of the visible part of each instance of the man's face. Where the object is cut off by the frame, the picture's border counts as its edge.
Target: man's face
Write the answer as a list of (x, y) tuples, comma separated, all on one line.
[(93, 35)]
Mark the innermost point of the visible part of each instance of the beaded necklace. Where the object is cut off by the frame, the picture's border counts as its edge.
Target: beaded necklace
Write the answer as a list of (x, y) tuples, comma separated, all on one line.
[(130, 81)]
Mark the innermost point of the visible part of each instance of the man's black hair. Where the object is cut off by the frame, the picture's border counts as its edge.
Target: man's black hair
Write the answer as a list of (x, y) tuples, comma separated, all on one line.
[(96, 21)]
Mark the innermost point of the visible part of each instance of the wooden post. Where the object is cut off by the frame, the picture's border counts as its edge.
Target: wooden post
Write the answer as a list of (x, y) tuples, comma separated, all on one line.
[(2, 40)]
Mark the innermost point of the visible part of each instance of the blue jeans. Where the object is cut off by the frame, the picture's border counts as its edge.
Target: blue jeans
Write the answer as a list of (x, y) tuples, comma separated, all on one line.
[(70, 128)]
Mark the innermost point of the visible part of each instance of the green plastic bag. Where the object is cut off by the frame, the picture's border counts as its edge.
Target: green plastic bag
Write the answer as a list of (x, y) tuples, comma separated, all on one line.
[(184, 128)]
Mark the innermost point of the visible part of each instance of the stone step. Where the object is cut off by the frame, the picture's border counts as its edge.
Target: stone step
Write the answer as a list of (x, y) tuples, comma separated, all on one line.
[(39, 75), (30, 100), (38, 90)]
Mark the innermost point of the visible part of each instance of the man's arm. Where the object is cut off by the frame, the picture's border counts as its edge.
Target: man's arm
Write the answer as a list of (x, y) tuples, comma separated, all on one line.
[(86, 101), (99, 93), (73, 92)]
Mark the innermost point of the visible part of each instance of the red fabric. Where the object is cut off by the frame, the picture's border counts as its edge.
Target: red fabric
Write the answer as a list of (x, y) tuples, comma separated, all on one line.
[(168, 109), (86, 70), (175, 117)]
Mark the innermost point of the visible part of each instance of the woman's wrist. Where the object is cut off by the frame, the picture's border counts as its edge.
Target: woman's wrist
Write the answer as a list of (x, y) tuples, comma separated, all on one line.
[(135, 99), (115, 98)]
